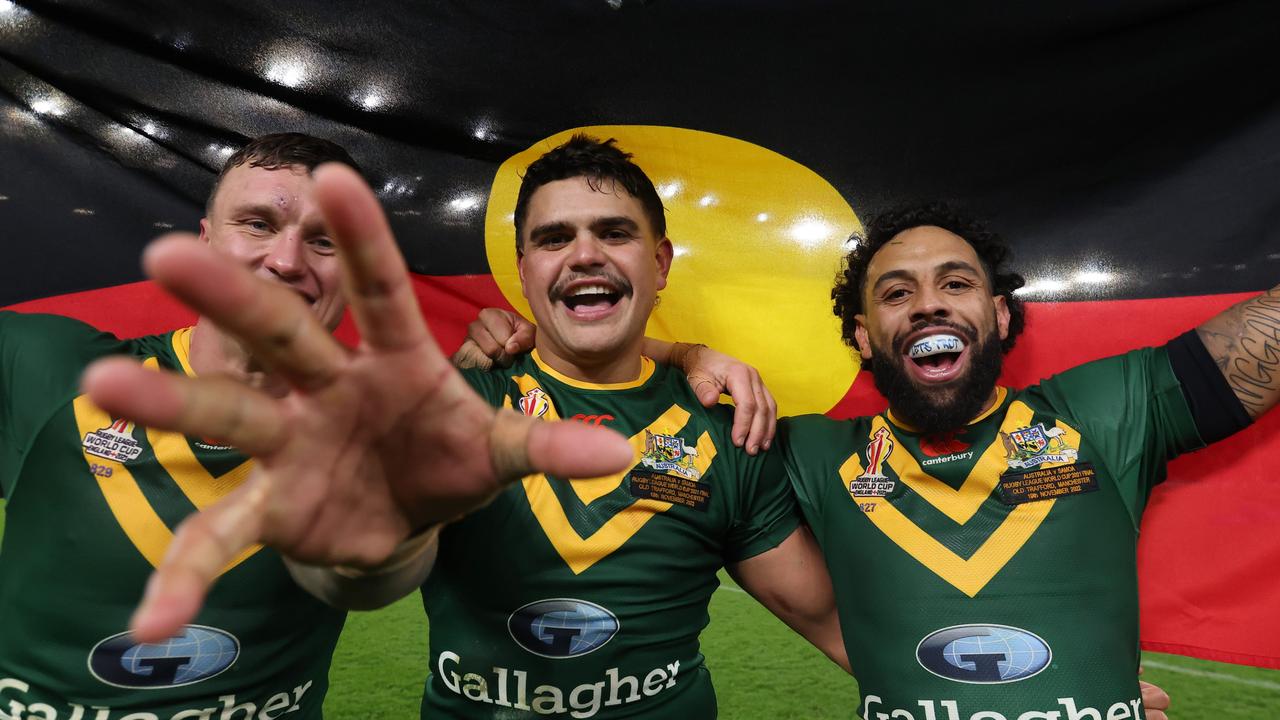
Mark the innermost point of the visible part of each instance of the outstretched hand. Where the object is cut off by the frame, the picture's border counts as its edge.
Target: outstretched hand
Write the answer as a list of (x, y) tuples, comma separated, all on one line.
[(364, 448), (497, 335)]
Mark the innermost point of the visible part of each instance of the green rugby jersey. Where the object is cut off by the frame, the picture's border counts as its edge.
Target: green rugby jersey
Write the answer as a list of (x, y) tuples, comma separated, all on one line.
[(585, 598), (990, 573), (91, 505)]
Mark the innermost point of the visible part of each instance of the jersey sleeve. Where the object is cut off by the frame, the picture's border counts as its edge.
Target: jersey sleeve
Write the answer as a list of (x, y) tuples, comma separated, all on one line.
[(766, 512), (41, 359), (791, 431), (1132, 410)]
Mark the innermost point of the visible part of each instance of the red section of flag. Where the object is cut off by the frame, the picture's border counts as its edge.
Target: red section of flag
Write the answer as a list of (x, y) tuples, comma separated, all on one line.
[(1208, 555), (143, 308)]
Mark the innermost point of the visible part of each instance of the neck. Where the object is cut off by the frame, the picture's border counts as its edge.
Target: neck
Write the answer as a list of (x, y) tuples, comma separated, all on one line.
[(213, 352), (615, 367)]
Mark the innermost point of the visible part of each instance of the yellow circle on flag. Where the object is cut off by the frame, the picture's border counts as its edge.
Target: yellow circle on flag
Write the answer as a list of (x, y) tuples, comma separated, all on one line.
[(758, 239)]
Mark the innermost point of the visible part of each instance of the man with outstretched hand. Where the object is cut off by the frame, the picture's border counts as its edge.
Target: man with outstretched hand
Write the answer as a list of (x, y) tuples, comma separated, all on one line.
[(92, 497)]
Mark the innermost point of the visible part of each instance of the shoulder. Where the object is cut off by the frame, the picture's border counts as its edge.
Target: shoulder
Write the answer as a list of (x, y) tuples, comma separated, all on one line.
[(52, 340)]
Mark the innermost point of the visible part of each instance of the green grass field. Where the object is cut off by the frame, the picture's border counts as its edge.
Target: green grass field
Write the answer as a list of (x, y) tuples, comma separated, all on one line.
[(761, 670)]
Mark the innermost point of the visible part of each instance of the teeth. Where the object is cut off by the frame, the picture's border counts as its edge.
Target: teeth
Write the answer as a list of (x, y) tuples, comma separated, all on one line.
[(590, 290), (935, 344)]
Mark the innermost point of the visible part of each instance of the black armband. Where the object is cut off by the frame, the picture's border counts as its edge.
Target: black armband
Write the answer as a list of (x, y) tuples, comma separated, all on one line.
[(1215, 408)]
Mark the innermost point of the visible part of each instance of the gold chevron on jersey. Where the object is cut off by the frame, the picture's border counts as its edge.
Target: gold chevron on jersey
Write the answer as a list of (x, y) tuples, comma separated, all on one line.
[(971, 574), (581, 552), (140, 522)]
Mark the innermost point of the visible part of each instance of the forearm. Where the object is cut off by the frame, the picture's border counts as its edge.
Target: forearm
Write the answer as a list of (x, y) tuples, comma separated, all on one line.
[(371, 588), (1244, 341)]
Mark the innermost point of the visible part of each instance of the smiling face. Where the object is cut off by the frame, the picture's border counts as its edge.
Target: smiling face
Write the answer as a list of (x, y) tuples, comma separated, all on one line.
[(933, 327), (591, 267), (268, 221)]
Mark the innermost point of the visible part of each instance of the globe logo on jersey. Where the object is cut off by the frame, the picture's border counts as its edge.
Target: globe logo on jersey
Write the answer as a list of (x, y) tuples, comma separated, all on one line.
[(198, 653), (984, 654), (562, 627)]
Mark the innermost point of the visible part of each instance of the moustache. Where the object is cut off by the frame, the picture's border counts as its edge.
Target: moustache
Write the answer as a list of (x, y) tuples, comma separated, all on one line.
[(619, 283)]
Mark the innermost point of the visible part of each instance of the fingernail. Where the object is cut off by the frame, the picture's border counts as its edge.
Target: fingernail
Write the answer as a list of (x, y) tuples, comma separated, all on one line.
[(767, 443), (737, 440), (753, 449)]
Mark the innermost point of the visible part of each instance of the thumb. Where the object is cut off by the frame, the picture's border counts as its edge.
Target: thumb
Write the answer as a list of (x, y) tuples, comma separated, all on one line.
[(707, 389), (521, 445)]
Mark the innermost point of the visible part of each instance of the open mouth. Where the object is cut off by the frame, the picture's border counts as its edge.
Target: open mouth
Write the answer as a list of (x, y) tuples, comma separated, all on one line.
[(591, 300), (937, 356)]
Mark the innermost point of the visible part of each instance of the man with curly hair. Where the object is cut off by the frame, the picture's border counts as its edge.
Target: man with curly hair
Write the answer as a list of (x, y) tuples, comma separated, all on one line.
[(982, 539)]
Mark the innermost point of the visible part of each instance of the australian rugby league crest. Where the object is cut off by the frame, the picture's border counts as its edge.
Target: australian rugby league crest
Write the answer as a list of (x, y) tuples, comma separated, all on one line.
[(669, 454), (1035, 445)]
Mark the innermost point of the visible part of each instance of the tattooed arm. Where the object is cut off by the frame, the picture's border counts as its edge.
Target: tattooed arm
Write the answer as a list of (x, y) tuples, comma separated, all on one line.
[(1245, 343)]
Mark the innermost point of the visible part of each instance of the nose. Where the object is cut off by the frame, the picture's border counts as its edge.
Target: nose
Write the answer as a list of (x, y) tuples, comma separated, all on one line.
[(286, 256), (586, 252), (928, 304)]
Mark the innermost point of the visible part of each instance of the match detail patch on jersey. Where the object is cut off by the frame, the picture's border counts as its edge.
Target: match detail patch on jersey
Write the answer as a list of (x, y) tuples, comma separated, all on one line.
[(967, 574), (670, 489), (1044, 483)]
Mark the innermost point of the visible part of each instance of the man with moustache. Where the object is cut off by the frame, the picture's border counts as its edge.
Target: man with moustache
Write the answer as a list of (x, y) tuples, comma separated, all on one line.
[(982, 539), (550, 596)]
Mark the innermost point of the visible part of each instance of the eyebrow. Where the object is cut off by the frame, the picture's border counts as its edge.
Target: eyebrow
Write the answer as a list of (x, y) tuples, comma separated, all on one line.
[(949, 266), (616, 221), (263, 209)]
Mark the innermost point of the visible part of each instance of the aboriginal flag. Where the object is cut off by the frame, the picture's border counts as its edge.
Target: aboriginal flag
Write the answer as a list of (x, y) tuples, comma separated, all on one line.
[(1130, 152)]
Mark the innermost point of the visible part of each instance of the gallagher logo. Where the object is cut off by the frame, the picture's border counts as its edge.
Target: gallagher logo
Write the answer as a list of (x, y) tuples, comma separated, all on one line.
[(199, 653), (983, 654), (562, 627)]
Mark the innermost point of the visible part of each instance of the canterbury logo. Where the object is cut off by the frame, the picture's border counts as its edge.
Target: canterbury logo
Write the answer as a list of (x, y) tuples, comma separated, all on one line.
[(969, 575), (596, 420)]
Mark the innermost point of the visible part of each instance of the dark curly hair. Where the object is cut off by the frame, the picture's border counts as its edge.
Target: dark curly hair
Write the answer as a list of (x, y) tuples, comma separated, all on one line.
[(992, 250), (597, 161)]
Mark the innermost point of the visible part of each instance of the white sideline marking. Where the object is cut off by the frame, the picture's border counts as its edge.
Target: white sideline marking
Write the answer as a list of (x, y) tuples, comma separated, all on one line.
[(1269, 685)]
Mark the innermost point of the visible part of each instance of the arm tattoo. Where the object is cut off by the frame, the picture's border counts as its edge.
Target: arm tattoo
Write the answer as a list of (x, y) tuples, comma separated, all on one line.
[(1245, 343)]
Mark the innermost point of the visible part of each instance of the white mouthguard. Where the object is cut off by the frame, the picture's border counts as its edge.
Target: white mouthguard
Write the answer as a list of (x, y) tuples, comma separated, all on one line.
[(935, 344)]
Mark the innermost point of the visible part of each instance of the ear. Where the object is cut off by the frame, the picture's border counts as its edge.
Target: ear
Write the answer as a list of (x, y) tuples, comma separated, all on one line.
[(860, 334), (662, 255), (520, 272), (1002, 316), (204, 230)]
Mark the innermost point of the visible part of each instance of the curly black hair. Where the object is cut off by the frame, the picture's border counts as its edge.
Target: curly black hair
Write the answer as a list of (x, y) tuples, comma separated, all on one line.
[(597, 161), (992, 250)]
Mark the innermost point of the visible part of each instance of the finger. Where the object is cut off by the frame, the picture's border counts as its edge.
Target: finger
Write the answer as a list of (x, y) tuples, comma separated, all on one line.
[(771, 422), (271, 321), (1154, 698), (706, 389), (204, 544), (523, 338), (761, 420), (375, 275), (521, 445), (218, 408), (739, 386), (481, 335)]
